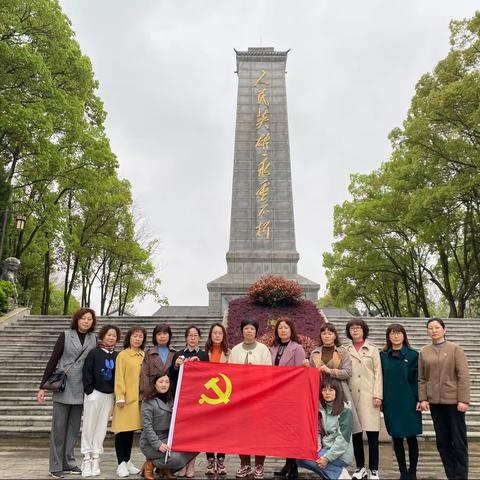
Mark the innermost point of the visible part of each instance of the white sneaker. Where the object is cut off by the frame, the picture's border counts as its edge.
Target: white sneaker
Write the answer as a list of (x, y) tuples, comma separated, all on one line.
[(373, 475), (122, 470), (95, 467), (344, 475), (86, 467), (360, 473), (132, 469)]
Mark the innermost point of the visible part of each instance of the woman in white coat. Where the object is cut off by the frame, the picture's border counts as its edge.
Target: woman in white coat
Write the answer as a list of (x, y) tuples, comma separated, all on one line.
[(250, 352), (367, 393)]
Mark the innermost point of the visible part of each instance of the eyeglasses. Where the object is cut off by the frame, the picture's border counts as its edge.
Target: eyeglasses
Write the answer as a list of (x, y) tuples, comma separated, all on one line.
[(193, 335), (355, 328), (396, 333)]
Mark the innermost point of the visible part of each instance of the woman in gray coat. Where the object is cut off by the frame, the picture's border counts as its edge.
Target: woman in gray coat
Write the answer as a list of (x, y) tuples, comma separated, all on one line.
[(156, 416), (69, 354)]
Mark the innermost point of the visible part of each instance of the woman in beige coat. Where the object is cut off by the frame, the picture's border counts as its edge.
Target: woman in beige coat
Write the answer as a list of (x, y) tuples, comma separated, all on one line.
[(126, 412), (367, 393)]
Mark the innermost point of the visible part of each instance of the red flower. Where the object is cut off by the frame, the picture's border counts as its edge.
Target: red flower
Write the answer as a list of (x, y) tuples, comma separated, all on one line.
[(275, 291)]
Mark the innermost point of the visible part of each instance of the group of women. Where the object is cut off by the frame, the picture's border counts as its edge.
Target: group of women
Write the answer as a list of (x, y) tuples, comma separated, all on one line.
[(357, 383)]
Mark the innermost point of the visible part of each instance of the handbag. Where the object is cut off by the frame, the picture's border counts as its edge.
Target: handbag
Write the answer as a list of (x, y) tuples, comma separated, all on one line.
[(57, 380)]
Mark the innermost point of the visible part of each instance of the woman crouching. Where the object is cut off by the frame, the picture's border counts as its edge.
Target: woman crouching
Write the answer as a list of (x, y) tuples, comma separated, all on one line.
[(335, 430), (156, 416)]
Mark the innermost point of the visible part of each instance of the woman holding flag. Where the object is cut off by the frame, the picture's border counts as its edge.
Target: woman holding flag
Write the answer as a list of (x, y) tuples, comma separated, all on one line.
[(250, 352), (287, 351), (156, 415), (335, 429), (191, 353), (218, 351)]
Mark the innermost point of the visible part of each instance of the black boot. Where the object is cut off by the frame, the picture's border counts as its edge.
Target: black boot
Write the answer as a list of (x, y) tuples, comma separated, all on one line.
[(293, 472), (412, 475), (403, 474), (285, 469)]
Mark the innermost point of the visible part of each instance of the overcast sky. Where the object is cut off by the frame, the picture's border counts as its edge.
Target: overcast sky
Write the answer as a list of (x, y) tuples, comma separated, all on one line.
[(166, 73)]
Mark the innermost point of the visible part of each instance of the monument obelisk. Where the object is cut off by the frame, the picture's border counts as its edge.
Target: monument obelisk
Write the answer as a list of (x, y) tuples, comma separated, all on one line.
[(262, 229)]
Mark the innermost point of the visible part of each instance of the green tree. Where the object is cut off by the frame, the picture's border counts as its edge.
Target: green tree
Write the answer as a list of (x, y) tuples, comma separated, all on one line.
[(413, 224), (59, 170)]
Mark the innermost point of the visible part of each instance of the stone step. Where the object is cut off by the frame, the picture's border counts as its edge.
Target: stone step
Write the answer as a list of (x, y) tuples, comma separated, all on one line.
[(25, 421), (20, 392), (19, 401), (38, 410)]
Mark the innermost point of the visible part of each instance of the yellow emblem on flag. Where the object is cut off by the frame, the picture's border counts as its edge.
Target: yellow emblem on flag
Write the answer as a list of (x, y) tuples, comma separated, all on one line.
[(221, 396)]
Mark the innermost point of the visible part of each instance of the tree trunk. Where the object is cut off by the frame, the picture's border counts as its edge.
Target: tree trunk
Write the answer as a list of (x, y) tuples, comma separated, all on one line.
[(46, 284)]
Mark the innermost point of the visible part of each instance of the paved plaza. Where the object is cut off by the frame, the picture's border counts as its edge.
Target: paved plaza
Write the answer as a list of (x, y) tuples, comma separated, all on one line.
[(27, 458)]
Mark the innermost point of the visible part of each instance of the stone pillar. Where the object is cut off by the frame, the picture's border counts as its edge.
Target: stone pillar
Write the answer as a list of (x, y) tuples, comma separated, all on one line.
[(262, 229)]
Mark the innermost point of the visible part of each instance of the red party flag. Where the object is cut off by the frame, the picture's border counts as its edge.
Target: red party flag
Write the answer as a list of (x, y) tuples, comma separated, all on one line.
[(246, 409)]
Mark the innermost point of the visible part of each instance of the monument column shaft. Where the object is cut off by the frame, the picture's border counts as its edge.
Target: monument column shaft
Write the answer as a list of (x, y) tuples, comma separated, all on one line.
[(262, 230)]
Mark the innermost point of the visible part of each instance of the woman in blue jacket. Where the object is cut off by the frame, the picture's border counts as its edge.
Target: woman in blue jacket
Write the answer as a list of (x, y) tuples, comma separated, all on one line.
[(400, 397)]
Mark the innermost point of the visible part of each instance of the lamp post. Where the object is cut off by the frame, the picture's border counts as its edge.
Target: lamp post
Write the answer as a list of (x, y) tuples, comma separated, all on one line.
[(20, 220)]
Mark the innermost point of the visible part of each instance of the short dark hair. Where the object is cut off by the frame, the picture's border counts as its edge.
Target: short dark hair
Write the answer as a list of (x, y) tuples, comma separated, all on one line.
[(339, 402), (436, 319), (187, 330), (249, 321), (131, 331), (162, 328), (293, 330), (360, 323), (209, 342), (79, 314), (151, 392), (103, 331), (331, 328), (395, 327)]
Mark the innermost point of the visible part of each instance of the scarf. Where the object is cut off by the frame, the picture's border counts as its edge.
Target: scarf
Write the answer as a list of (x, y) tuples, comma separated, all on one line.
[(101, 345)]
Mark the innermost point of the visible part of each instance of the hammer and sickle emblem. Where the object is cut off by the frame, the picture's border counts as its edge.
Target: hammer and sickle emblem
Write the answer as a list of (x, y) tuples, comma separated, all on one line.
[(222, 396)]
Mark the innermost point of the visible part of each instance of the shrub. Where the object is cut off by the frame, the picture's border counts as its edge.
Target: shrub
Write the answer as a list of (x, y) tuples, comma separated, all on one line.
[(6, 291), (305, 314), (275, 291)]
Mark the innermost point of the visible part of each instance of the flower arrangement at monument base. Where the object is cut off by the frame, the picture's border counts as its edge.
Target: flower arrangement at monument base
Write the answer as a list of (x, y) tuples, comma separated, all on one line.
[(275, 291), (258, 304)]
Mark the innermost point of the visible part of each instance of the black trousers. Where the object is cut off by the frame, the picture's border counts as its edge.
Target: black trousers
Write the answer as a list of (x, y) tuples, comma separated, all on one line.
[(451, 433), (123, 446), (212, 455), (357, 440), (412, 455)]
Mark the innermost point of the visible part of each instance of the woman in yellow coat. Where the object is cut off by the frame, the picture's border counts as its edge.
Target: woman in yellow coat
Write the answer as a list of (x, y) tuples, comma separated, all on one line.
[(126, 413)]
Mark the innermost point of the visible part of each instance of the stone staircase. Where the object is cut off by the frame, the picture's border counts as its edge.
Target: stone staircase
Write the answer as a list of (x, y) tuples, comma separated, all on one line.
[(26, 345), (465, 332)]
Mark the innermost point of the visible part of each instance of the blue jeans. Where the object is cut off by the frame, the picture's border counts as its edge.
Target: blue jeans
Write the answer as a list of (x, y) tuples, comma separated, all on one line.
[(331, 472)]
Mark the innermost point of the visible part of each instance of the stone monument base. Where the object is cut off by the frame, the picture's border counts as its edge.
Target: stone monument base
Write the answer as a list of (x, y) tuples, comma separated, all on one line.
[(233, 285)]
